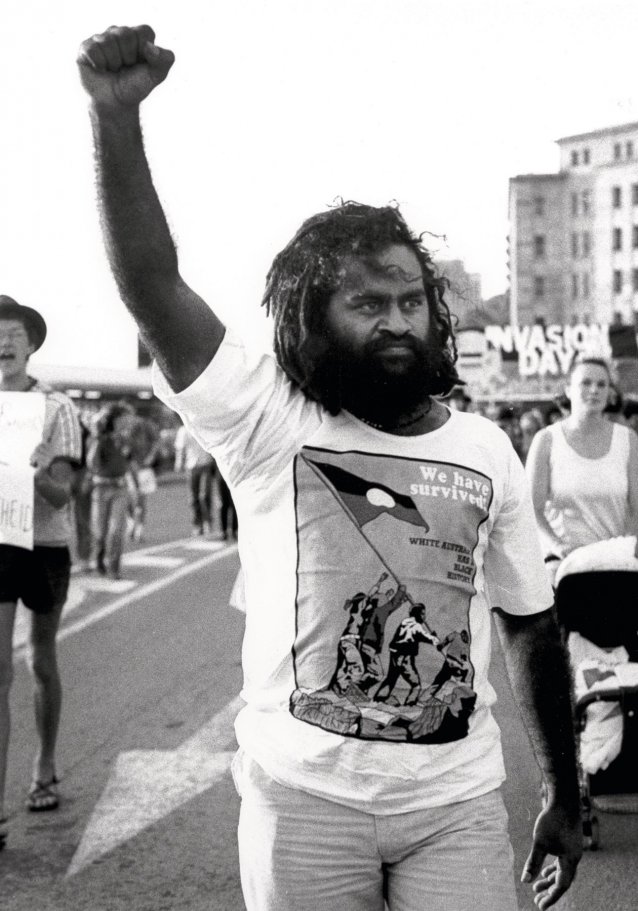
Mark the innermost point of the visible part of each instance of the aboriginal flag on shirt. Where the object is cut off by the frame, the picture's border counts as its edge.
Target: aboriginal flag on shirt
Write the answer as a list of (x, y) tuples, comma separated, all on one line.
[(366, 500)]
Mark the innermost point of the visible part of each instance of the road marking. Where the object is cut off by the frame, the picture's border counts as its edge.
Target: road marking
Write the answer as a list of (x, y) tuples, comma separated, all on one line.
[(136, 595), (153, 560), (203, 544), (147, 785), (99, 584)]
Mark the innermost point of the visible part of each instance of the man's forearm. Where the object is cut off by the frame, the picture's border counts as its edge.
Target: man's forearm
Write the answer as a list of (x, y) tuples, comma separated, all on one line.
[(179, 329), (139, 244), (538, 669)]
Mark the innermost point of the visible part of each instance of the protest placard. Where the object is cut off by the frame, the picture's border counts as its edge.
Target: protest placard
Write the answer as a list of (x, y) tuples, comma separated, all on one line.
[(21, 428), (16, 505), (21, 425)]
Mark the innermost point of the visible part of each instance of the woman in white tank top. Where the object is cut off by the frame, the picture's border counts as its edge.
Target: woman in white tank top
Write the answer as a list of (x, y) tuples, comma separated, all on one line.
[(584, 470)]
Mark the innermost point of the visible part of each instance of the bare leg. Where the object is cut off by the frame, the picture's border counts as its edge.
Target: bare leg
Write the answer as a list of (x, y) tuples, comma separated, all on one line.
[(47, 690), (7, 619)]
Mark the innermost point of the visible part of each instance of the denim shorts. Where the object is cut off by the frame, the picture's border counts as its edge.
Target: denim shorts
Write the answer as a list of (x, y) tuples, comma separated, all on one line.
[(39, 578)]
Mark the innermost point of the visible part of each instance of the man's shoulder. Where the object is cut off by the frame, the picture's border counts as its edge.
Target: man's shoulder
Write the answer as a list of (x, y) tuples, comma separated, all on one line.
[(478, 427), (57, 398)]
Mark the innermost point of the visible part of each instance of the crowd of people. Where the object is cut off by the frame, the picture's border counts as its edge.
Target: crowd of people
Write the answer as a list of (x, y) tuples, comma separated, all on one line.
[(118, 471), (111, 485), (522, 423)]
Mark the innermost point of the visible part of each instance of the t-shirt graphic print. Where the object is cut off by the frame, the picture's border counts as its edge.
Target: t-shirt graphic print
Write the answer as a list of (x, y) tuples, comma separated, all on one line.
[(385, 578)]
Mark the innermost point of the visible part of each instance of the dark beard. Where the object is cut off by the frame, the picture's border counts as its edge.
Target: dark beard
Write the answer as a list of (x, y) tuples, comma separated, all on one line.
[(359, 380)]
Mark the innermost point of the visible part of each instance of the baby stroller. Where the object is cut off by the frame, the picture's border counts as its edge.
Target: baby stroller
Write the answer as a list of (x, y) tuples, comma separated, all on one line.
[(597, 604)]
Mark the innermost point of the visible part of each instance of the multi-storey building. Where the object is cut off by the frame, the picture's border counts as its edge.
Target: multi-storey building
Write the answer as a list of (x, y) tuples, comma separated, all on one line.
[(464, 292), (573, 243)]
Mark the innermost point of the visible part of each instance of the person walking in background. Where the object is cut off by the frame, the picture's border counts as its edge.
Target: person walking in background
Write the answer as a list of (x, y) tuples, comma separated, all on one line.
[(109, 461), (583, 470), (144, 440), (201, 469), (39, 578), (320, 445), (227, 512)]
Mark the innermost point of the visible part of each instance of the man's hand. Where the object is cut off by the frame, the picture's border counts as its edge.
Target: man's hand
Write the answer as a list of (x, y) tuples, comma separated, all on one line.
[(121, 67), (560, 835)]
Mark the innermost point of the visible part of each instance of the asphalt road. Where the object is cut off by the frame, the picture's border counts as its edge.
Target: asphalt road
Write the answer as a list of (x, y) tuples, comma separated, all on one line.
[(151, 669)]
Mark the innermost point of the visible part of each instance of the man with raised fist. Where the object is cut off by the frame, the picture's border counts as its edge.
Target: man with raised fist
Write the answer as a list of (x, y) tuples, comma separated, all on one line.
[(345, 468)]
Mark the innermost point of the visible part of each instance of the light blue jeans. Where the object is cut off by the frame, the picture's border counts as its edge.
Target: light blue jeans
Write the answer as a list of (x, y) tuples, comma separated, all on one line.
[(302, 853), (109, 503)]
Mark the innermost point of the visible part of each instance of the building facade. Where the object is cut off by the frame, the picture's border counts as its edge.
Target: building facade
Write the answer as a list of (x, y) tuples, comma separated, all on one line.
[(464, 292), (573, 242)]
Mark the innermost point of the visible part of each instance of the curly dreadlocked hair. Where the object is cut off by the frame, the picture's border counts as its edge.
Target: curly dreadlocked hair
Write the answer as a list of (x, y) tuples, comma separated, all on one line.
[(306, 273)]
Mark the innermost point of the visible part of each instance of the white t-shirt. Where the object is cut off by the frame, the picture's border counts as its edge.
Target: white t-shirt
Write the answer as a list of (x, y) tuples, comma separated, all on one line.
[(343, 528)]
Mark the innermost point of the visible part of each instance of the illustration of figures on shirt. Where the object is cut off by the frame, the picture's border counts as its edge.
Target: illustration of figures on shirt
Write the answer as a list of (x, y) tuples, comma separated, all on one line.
[(385, 673)]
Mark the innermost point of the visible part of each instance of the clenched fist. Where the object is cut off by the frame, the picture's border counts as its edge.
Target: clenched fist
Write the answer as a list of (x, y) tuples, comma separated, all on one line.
[(121, 66)]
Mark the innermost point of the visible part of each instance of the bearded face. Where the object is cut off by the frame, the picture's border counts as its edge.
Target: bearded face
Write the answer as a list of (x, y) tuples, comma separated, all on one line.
[(370, 384), (380, 355)]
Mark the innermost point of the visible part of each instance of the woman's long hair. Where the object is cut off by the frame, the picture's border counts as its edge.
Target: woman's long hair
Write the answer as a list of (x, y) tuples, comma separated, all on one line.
[(306, 273)]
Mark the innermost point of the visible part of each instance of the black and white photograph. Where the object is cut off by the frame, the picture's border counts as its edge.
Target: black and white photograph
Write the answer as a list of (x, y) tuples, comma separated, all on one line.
[(319, 455)]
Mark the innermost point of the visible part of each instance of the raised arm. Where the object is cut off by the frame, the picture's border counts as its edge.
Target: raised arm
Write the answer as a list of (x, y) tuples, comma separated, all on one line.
[(538, 669), (119, 69)]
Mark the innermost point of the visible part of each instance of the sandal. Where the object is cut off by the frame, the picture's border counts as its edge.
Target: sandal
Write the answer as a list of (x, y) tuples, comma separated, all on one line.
[(4, 832), (43, 796)]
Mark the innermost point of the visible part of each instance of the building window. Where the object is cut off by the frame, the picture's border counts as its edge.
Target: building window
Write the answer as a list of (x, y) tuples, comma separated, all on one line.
[(539, 246), (630, 149), (617, 151), (574, 203), (585, 199), (634, 279), (539, 286), (616, 240), (586, 243), (634, 237), (634, 193), (617, 281), (574, 245), (574, 158), (616, 197), (539, 205), (586, 156), (585, 284), (574, 285)]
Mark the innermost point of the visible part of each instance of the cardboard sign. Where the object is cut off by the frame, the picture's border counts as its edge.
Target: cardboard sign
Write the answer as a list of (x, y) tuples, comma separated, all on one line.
[(16, 505)]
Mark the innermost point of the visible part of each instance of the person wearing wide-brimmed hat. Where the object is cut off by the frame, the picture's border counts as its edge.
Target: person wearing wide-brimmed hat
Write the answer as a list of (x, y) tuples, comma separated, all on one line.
[(39, 578)]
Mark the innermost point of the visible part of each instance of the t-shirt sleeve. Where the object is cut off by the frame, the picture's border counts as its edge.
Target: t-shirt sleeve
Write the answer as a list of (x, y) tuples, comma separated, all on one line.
[(515, 574), (62, 432), (243, 410)]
